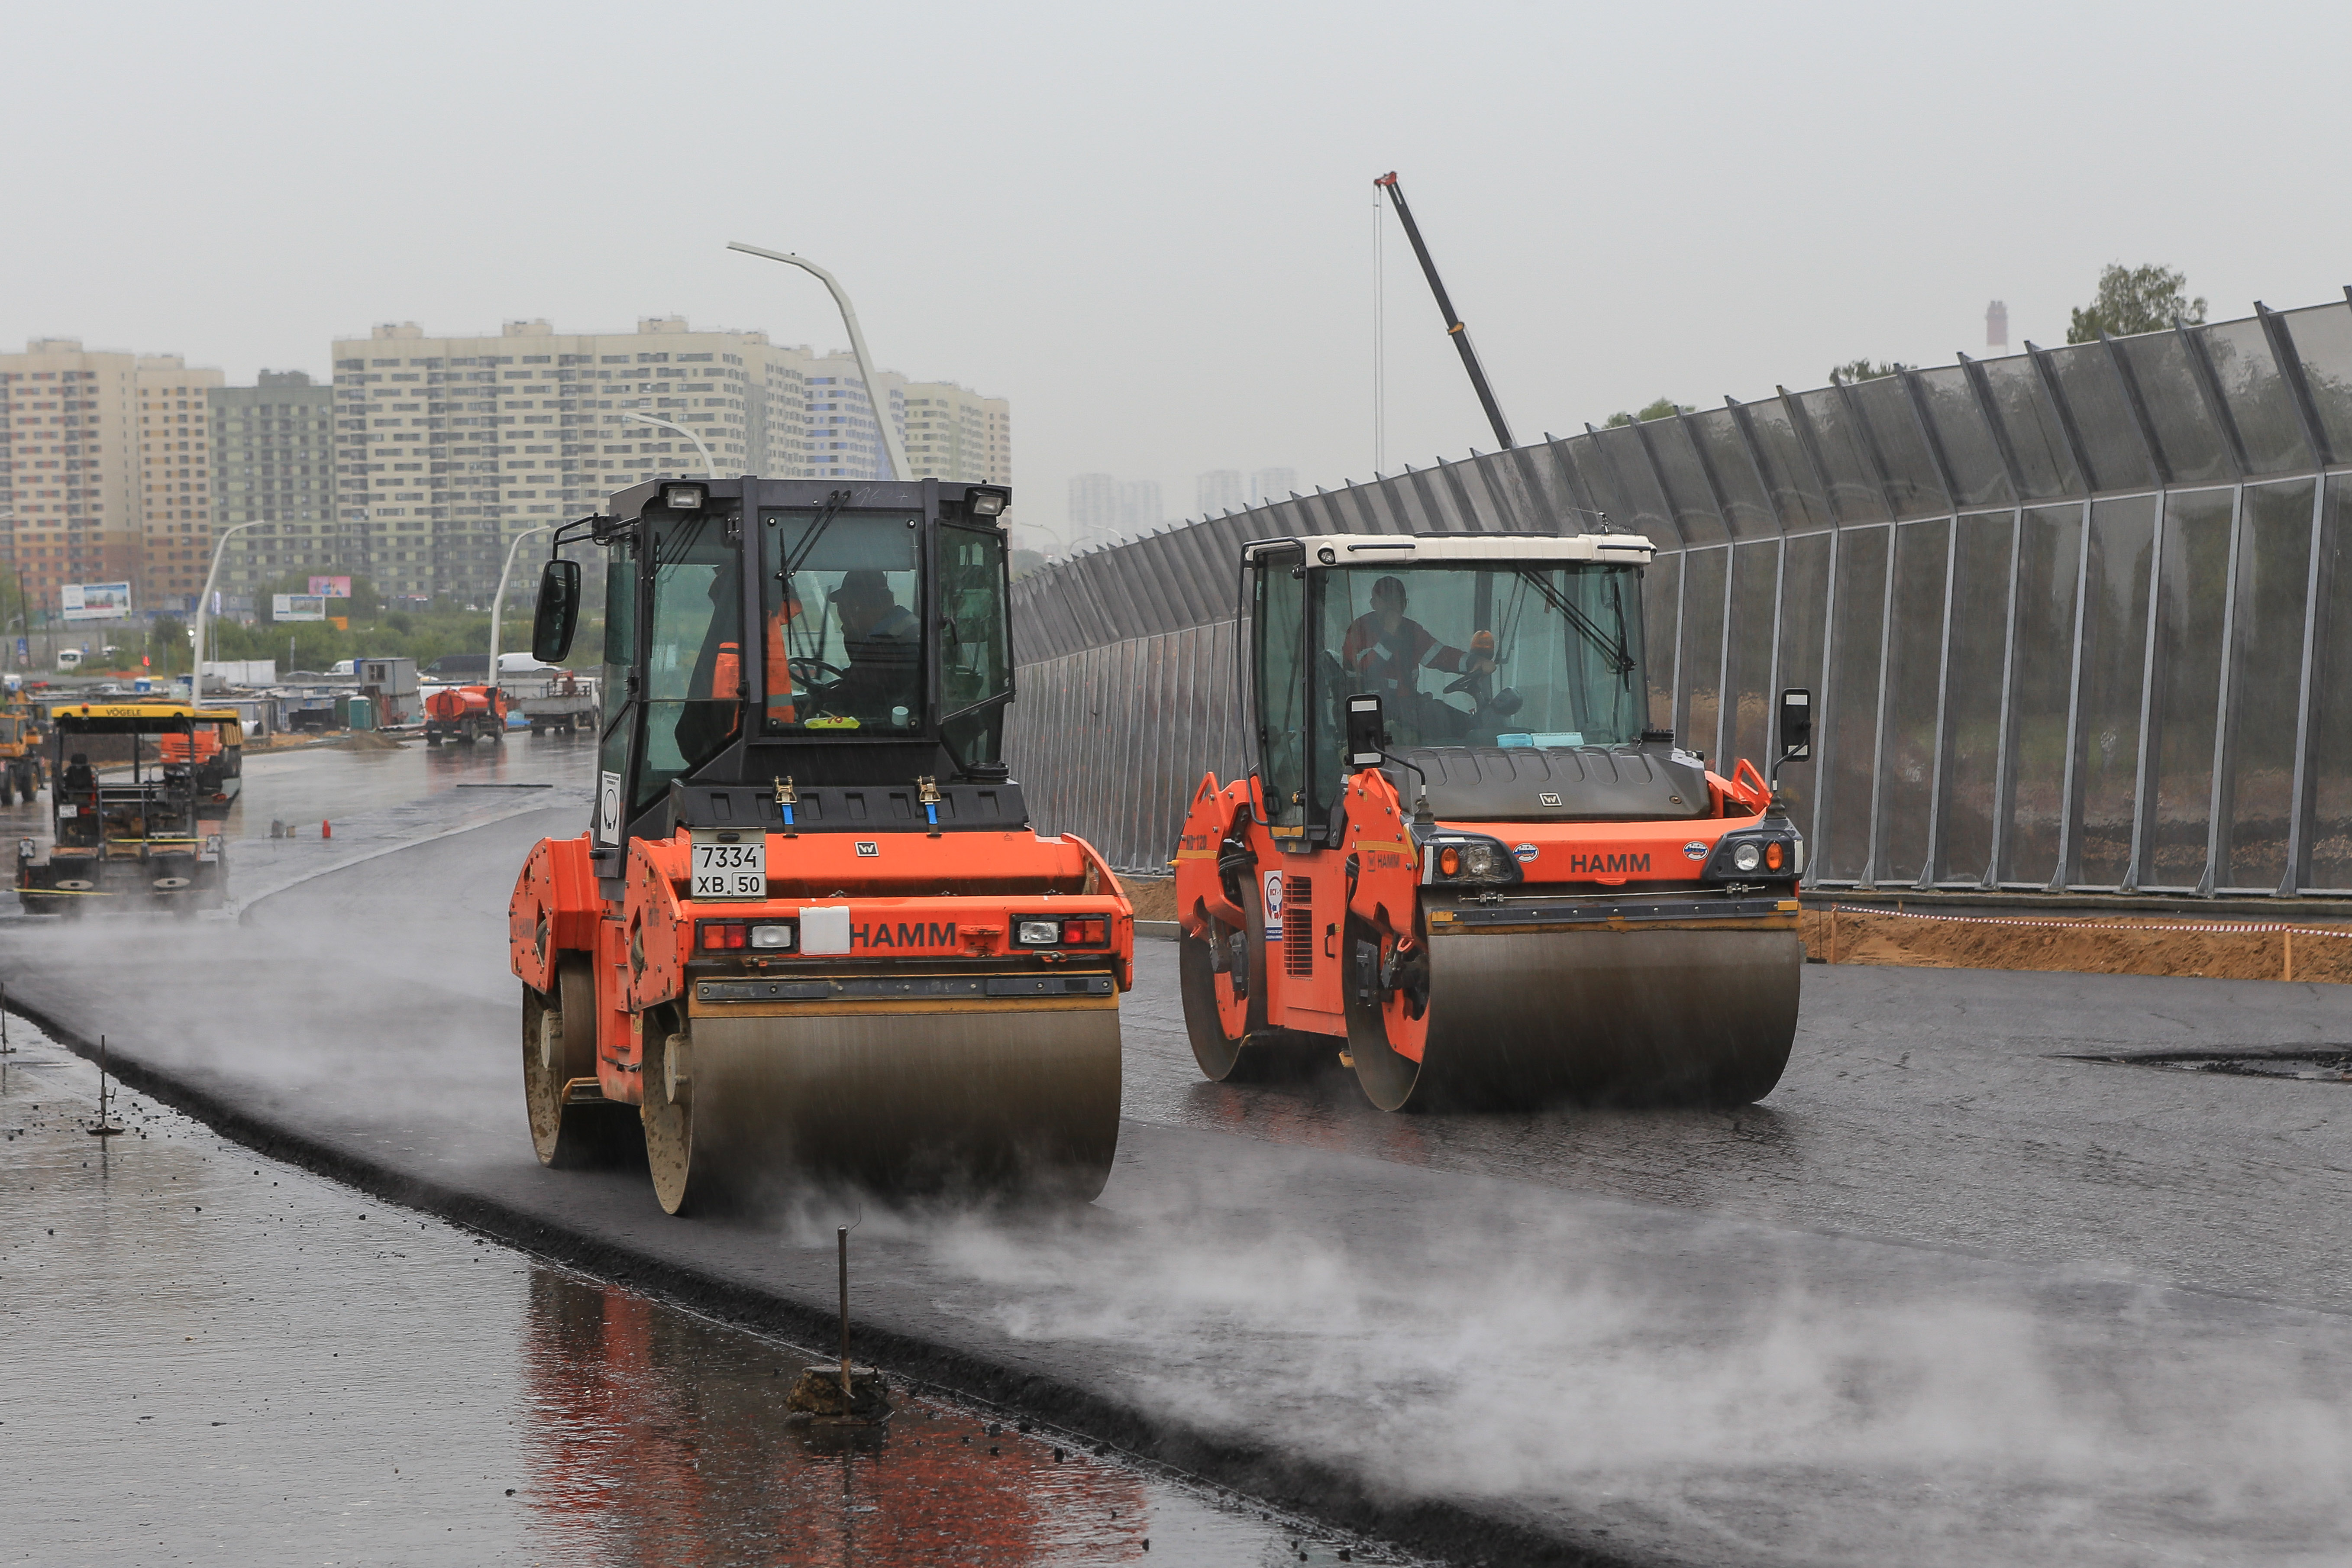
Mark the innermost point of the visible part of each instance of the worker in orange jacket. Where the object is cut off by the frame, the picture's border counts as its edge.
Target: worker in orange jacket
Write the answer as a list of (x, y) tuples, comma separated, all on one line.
[(726, 669)]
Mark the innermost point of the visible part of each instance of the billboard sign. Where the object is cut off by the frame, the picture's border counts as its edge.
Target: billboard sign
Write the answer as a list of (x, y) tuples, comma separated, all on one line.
[(298, 607), (331, 588), (94, 601)]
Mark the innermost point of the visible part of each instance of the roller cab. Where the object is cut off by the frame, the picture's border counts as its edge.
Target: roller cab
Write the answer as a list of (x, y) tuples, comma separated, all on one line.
[(811, 934), (1463, 860)]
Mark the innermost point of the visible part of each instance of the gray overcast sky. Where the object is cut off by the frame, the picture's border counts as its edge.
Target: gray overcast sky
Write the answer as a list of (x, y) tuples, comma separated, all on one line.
[(1151, 228)]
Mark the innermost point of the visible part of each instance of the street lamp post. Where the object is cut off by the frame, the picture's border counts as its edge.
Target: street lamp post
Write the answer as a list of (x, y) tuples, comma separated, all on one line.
[(709, 469), (203, 603), (891, 446), (498, 602), (23, 604)]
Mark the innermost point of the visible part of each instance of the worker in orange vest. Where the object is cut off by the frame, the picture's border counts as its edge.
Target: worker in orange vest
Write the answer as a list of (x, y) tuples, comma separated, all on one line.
[(727, 669)]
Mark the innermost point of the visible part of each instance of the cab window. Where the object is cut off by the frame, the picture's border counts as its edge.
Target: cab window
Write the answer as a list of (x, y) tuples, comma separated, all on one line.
[(693, 652), (1278, 628), (843, 599)]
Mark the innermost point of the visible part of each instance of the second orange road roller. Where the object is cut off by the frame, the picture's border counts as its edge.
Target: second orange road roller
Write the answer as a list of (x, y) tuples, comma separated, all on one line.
[(1464, 861), (811, 934)]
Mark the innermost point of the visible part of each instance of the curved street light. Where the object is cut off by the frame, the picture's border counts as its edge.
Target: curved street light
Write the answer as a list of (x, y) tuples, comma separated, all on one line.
[(204, 602), (709, 469), (498, 604), (891, 446)]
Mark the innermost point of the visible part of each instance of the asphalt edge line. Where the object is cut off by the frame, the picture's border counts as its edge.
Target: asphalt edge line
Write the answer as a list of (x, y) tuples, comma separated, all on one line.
[(1444, 1531), (238, 908)]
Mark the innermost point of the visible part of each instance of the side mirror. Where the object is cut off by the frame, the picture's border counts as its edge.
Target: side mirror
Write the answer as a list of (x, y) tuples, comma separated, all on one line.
[(558, 612), (1367, 732), (1796, 726)]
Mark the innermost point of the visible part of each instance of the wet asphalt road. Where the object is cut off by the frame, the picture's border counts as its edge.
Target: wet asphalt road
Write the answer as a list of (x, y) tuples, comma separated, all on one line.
[(221, 1358), (1946, 1296)]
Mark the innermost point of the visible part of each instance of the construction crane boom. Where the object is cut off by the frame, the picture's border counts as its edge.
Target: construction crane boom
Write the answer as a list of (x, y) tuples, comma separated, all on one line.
[(1454, 326)]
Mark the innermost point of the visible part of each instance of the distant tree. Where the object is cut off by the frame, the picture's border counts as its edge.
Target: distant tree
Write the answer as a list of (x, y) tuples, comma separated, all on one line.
[(1864, 370), (167, 644), (2133, 299), (1664, 408)]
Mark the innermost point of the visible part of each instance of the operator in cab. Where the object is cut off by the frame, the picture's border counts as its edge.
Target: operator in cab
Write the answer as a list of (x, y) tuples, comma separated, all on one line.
[(1385, 652), (885, 644)]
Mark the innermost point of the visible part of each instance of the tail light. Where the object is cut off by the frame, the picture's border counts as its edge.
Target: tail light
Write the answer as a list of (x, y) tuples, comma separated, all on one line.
[(734, 936), (1060, 931)]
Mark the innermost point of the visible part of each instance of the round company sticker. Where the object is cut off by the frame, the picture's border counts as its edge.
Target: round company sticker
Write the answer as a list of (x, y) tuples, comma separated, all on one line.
[(1273, 896), (1694, 849), (1523, 853)]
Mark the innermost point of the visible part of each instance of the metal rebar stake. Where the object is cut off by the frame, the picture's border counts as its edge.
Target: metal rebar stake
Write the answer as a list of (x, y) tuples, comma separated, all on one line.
[(104, 1126), (842, 1237), (6, 1048)]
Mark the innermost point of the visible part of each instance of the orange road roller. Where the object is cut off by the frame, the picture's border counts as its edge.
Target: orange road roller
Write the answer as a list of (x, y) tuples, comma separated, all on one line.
[(1464, 861), (811, 935)]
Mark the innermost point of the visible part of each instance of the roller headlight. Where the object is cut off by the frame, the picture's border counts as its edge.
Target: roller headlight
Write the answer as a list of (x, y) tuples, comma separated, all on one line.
[(773, 937), (1771, 853), (1037, 933), (1462, 857)]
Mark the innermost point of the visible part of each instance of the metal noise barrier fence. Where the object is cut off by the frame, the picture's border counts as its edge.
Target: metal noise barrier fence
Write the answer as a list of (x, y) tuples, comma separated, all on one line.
[(2070, 615)]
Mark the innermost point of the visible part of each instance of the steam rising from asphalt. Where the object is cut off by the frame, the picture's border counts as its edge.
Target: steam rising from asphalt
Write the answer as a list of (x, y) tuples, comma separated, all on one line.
[(1819, 1399)]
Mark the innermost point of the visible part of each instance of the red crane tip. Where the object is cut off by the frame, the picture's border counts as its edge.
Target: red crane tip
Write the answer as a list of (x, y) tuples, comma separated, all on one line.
[(1387, 179)]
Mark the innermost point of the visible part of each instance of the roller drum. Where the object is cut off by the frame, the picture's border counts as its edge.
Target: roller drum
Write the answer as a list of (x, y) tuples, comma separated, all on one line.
[(903, 1103), (1522, 1019)]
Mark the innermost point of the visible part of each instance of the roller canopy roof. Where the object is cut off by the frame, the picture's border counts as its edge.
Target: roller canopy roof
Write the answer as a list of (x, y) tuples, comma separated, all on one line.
[(135, 718), (1366, 549)]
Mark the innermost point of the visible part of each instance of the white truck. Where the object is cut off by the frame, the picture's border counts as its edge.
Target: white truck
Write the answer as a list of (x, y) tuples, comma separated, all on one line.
[(549, 699)]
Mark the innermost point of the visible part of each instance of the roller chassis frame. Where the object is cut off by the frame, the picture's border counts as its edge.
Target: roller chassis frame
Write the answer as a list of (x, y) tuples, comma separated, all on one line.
[(665, 1017)]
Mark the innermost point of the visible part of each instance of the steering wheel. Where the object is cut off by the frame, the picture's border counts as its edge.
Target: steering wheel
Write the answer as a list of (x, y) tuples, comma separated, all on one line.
[(809, 673), (1475, 684)]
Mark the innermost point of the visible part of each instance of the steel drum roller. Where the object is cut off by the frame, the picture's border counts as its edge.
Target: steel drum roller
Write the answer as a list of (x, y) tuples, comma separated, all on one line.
[(902, 1102), (1521, 1018)]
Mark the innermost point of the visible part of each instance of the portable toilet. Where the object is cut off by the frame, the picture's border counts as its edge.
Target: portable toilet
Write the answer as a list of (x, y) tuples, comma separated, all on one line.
[(363, 713)]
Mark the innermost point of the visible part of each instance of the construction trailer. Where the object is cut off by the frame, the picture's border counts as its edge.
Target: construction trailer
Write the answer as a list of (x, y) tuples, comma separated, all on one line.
[(393, 691)]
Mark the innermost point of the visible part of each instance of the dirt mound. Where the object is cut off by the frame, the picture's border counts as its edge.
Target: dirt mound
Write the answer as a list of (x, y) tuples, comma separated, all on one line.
[(366, 741), (1154, 898), (2122, 945)]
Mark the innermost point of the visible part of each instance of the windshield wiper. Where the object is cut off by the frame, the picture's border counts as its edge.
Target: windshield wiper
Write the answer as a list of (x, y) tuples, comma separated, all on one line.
[(1620, 661), (832, 505)]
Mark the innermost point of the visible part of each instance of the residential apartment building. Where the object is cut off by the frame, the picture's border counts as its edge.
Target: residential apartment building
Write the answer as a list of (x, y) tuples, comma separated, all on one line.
[(953, 433), (274, 469), (68, 465), (105, 471), (449, 448), (845, 442), (1103, 507), (1272, 485), (175, 482), (1219, 492)]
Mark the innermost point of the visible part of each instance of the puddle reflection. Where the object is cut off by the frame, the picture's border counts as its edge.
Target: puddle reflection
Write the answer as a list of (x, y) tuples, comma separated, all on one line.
[(660, 1438)]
